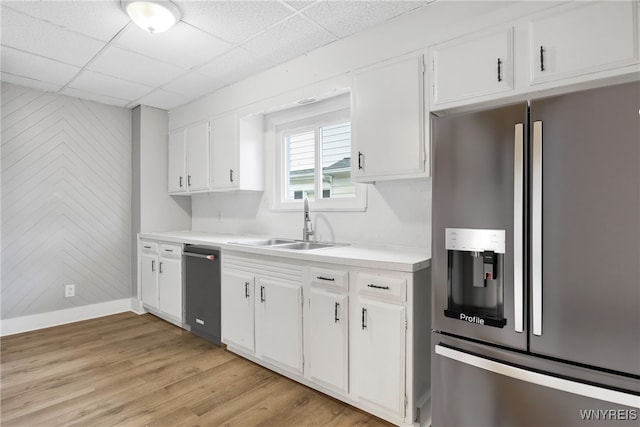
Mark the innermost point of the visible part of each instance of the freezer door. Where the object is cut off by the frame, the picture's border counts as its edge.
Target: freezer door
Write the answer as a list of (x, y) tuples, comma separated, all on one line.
[(478, 185), (477, 385), (585, 253)]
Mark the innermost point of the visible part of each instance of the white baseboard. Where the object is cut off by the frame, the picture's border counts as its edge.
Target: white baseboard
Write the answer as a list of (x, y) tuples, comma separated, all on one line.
[(16, 325), (136, 306)]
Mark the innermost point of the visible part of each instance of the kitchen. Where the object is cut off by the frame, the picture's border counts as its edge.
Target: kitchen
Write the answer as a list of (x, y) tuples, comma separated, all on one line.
[(398, 211)]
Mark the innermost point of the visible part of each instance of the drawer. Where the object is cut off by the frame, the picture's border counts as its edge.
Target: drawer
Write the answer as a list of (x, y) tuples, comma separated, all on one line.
[(148, 247), (170, 251), (392, 288), (334, 279)]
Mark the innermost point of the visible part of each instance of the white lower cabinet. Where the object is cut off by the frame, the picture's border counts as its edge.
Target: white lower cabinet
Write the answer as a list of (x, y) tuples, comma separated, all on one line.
[(329, 339), (237, 310), (355, 343), (149, 274), (279, 322), (262, 310), (160, 278), (379, 355)]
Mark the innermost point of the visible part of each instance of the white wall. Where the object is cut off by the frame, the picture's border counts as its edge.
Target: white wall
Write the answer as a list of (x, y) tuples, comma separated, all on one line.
[(66, 201)]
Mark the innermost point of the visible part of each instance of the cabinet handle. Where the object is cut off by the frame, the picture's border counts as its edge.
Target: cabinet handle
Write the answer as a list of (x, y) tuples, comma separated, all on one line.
[(168, 250), (336, 319), (153, 265), (328, 279), (230, 175), (371, 285), (541, 58), (246, 289), (360, 167), (364, 318), (262, 298), (499, 70), (181, 181), (189, 180), (161, 267)]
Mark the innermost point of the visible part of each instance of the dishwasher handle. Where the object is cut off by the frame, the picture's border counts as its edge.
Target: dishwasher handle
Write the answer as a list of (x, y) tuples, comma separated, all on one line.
[(201, 256)]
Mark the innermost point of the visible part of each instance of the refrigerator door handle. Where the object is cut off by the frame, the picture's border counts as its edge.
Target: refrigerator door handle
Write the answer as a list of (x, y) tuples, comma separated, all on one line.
[(536, 229), (518, 232), (568, 386)]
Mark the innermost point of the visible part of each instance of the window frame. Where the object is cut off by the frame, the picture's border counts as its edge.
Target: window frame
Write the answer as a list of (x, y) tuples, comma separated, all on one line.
[(298, 121)]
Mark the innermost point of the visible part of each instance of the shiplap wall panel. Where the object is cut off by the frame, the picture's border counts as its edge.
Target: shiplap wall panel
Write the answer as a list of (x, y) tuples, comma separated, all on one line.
[(66, 201)]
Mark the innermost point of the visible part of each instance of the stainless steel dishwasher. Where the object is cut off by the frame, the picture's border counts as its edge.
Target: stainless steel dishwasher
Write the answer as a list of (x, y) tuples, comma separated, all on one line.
[(202, 291)]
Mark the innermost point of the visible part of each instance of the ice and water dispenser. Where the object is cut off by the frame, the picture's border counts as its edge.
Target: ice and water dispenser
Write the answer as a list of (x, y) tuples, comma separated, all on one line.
[(475, 275)]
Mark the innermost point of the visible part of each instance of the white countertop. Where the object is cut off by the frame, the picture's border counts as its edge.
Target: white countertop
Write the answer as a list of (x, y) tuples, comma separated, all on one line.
[(398, 258)]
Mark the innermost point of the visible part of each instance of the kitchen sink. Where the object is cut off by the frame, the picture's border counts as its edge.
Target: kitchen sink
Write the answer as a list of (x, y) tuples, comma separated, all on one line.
[(307, 246), (296, 245), (267, 242)]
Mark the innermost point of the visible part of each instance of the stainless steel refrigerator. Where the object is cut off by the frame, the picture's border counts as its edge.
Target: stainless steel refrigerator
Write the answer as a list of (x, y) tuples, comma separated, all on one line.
[(536, 262)]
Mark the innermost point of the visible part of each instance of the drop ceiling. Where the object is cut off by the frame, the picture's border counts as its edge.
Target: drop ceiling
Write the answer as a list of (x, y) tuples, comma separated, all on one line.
[(90, 49)]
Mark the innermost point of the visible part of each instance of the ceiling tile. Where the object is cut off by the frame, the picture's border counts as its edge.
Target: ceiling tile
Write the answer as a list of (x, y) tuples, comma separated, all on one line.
[(24, 81), (182, 45), (234, 21), (163, 100), (110, 86), (193, 84), (42, 38), (134, 67), (36, 67), (235, 65), (92, 96), (99, 19), (292, 38), (344, 18)]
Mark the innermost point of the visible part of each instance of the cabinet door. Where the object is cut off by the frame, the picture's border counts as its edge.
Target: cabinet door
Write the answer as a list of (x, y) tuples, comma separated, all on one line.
[(582, 38), (328, 358), (176, 162), (198, 157), (279, 322), (237, 310), (149, 280), (387, 122), (224, 143), (170, 287), (379, 362), (472, 67)]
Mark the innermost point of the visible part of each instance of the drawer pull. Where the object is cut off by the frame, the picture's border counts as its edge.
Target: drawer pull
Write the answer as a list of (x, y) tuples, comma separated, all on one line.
[(147, 247), (328, 279), (168, 250), (371, 285)]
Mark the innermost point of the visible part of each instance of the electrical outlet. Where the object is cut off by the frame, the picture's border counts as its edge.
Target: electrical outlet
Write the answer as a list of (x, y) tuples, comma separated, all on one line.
[(69, 291)]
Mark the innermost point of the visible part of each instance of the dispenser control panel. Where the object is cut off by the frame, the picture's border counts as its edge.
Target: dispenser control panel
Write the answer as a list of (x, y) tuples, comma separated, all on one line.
[(475, 240)]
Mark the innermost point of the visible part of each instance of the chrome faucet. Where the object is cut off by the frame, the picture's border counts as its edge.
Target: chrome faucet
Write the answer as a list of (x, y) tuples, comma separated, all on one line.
[(307, 229)]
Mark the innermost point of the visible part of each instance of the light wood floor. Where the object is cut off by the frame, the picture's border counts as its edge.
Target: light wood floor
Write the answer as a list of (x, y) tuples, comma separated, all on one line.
[(135, 370)]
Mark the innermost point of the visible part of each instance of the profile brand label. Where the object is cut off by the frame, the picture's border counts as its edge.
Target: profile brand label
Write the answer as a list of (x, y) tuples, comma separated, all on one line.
[(472, 319)]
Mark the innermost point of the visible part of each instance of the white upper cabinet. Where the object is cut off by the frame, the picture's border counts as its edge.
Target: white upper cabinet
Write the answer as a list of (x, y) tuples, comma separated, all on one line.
[(473, 66), (177, 162), (582, 38), (387, 122), (188, 159), (236, 160), (198, 157)]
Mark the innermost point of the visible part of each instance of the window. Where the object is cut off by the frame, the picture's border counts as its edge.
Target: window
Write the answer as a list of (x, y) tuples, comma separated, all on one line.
[(313, 145), (318, 162)]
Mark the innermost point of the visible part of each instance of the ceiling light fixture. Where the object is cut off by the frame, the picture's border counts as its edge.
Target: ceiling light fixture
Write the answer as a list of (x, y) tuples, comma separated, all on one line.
[(154, 16)]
